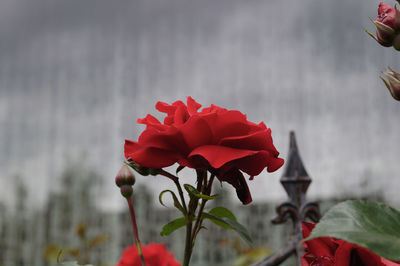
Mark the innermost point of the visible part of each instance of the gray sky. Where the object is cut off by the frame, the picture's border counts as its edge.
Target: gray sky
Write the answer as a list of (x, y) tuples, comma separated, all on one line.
[(75, 76)]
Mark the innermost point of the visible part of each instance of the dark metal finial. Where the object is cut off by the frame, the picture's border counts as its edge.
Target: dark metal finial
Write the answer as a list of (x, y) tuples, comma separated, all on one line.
[(296, 181), (294, 168)]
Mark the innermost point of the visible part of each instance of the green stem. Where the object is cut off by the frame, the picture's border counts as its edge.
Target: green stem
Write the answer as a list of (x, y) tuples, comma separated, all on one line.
[(199, 221), (135, 231), (178, 186), (188, 245), (206, 189)]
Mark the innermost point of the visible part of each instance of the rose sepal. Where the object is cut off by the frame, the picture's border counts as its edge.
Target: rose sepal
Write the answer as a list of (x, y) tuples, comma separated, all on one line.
[(392, 82), (384, 34)]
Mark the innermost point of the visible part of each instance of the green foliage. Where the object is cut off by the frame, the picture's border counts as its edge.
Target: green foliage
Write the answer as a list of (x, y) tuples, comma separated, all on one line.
[(372, 225), (172, 226), (229, 224), (222, 212), (193, 192)]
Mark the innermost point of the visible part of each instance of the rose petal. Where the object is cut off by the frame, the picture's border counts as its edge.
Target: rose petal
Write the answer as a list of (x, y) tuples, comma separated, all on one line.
[(196, 132), (170, 139), (388, 262), (260, 140), (149, 156), (237, 180), (217, 156), (386, 15), (254, 164), (318, 247), (192, 106), (152, 122)]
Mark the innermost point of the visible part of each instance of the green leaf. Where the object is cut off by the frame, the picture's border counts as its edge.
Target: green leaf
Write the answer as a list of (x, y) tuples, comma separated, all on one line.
[(195, 193), (229, 224), (172, 226), (223, 212), (372, 225), (177, 204)]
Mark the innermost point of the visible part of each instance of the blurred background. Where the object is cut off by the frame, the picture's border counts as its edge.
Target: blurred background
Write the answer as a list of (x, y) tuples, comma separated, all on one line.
[(75, 76)]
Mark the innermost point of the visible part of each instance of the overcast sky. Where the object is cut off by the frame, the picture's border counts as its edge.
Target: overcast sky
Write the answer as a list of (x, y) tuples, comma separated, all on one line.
[(75, 76)]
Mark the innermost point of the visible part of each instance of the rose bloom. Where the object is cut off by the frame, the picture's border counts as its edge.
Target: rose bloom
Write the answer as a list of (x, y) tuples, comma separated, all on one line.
[(326, 251), (215, 139), (154, 255)]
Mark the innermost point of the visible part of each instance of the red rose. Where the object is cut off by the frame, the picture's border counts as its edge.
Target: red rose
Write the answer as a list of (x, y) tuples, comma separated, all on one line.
[(154, 255), (215, 139), (326, 251)]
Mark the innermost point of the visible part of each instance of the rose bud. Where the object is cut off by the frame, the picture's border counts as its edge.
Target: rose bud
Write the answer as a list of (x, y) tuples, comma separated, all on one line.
[(392, 82), (126, 191), (125, 177), (387, 25)]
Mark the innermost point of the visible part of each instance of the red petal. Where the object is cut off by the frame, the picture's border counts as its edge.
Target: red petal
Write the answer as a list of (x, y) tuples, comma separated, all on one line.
[(260, 140), (254, 164), (237, 180), (150, 156), (196, 132), (181, 115), (170, 139), (192, 106), (230, 124), (386, 262), (322, 246), (153, 122), (217, 156), (367, 257)]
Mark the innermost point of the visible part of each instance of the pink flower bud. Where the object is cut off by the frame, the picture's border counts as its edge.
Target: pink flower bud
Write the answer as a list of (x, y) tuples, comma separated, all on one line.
[(125, 176), (386, 15), (387, 25), (392, 82)]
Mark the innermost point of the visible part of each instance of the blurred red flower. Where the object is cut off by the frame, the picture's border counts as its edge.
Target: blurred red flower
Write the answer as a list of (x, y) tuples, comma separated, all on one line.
[(154, 255), (326, 251)]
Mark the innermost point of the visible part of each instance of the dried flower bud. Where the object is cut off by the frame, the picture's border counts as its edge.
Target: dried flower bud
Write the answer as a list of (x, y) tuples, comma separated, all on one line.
[(125, 176), (392, 82)]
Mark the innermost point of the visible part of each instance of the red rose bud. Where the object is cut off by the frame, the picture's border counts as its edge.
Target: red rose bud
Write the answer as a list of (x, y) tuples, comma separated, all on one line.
[(126, 191), (125, 176), (387, 25), (392, 82)]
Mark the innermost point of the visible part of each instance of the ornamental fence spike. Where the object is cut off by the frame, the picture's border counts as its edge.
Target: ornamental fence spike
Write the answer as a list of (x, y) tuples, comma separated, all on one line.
[(295, 181)]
